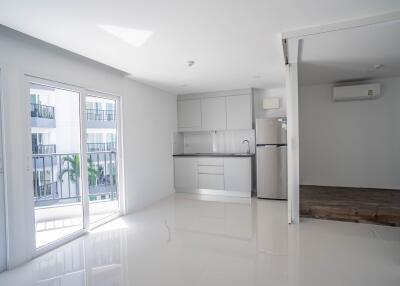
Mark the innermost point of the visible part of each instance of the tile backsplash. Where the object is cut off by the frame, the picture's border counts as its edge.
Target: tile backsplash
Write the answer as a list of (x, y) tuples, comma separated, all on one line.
[(214, 141)]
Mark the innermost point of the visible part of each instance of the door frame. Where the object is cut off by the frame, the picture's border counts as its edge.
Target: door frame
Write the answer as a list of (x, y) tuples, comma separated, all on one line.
[(83, 93), (3, 194), (73, 88), (119, 155)]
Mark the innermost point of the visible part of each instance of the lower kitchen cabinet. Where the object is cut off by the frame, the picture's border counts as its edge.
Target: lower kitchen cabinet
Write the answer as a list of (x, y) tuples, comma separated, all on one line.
[(185, 171), (227, 176), (211, 181), (237, 172)]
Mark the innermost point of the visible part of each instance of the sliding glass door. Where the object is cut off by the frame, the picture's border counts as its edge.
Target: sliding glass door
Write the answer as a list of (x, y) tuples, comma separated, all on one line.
[(74, 160), (102, 150), (56, 157)]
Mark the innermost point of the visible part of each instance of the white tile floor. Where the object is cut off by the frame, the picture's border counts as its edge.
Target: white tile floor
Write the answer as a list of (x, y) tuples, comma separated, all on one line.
[(186, 241)]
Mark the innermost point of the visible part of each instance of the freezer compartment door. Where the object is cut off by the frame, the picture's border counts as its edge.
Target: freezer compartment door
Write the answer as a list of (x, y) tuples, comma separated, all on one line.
[(271, 172), (270, 131)]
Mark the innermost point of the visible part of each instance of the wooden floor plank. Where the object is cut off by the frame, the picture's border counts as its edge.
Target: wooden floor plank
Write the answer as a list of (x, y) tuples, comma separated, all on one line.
[(378, 206)]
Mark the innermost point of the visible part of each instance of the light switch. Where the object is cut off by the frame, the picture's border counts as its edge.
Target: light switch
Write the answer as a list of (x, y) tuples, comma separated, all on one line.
[(271, 103)]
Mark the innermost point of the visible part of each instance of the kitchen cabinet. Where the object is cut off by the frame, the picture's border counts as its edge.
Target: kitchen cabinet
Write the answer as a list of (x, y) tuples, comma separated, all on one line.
[(211, 181), (210, 173), (239, 112), (189, 115), (225, 176), (223, 110), (237, 172), (213, 113), (185, 171)]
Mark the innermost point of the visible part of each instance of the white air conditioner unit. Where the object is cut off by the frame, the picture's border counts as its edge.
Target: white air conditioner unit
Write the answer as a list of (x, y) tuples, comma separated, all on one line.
[(356, 92)]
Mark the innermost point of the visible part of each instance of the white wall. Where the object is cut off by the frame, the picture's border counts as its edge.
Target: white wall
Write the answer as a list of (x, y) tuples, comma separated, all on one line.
[(353, 144), (3, 246), (149, 120), (229, 141), (260, 94), (151, 116)]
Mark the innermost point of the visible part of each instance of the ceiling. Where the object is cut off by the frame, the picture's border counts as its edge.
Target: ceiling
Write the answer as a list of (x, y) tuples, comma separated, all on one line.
[(234, 43), (351, 55)]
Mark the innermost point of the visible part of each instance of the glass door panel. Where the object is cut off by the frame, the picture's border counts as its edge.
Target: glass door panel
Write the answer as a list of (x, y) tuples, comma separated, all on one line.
[(56, 156), (102, 167)]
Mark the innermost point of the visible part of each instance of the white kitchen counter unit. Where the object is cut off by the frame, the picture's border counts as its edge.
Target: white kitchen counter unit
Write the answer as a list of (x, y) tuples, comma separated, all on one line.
[(217, 175)]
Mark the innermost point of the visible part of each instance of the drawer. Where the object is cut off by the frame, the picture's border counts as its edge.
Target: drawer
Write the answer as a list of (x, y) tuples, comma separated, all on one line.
[(208, 161), (217, 170), (210, 181)]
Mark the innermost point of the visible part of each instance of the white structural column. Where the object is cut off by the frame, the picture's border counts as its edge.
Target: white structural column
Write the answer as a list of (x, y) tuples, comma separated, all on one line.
[(3, 245), (293, 131)]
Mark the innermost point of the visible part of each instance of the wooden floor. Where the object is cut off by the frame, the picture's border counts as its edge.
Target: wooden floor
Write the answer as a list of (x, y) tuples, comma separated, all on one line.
[(378, 206)]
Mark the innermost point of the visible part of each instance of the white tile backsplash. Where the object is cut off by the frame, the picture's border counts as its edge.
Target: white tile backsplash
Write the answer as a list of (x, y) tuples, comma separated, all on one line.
[(216, 141)]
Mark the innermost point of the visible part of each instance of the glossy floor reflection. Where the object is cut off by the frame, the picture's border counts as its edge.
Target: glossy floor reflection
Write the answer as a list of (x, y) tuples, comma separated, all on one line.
[(183, 240)]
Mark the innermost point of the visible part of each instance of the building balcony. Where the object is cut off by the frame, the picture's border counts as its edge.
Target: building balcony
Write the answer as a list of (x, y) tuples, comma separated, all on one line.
[(44, 149), (96, 118), (101, 147), (43, 116), (56, 178), (58, 197)]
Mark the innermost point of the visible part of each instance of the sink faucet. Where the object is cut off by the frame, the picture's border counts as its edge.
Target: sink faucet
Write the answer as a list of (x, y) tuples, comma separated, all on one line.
[(248, 145)]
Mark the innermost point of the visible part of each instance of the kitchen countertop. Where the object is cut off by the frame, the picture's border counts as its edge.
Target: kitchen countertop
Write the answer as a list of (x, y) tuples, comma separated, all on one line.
[(214, 155)]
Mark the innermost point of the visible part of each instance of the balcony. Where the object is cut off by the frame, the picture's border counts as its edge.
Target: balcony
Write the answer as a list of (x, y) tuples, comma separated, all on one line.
[(58, 183), (43, 116), (97, 118), (101, 147), (57, 192), (44, 149)]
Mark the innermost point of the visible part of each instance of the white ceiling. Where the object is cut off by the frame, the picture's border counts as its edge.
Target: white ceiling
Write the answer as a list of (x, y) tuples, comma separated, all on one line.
[(236, 44), (350, 55)]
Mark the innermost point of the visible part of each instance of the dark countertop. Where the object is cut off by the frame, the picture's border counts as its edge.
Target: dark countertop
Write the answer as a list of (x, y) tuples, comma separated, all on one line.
[(214, 155)]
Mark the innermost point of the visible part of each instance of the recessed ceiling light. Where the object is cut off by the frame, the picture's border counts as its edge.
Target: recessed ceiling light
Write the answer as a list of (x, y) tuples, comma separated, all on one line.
[(378, 66), (133, 37)]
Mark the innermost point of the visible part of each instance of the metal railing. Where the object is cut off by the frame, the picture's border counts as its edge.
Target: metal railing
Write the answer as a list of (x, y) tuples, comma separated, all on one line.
[(42, 111), (56, 178), (100, 147), (44, 149), (98, 114)]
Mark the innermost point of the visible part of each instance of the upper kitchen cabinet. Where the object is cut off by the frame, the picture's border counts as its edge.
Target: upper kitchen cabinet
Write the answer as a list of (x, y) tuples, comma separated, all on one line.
[(239, 112), (213, 113), (189, 115), (222, 110)]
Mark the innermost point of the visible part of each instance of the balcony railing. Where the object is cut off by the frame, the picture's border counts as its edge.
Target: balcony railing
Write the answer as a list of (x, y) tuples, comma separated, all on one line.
[(101, 115), (56, 178), (101, 147), (44, 149), (42, 111)]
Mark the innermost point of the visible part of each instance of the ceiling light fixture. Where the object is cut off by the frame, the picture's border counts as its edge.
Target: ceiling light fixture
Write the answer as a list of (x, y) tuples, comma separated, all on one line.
[(376, 67), (133, 37)]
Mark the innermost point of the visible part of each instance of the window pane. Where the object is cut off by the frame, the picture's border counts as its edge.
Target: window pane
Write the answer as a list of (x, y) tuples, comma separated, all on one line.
[(55, 127)]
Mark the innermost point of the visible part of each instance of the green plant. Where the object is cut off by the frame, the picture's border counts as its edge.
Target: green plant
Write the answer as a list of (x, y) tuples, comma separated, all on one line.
[(73, 168)]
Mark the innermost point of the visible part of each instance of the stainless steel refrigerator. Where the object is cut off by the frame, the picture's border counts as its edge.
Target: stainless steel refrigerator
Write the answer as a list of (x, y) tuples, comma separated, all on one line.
[(271, 157)]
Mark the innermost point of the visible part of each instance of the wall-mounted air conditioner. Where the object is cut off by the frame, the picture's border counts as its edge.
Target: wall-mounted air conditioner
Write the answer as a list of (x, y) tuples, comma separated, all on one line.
[(356, 92)]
